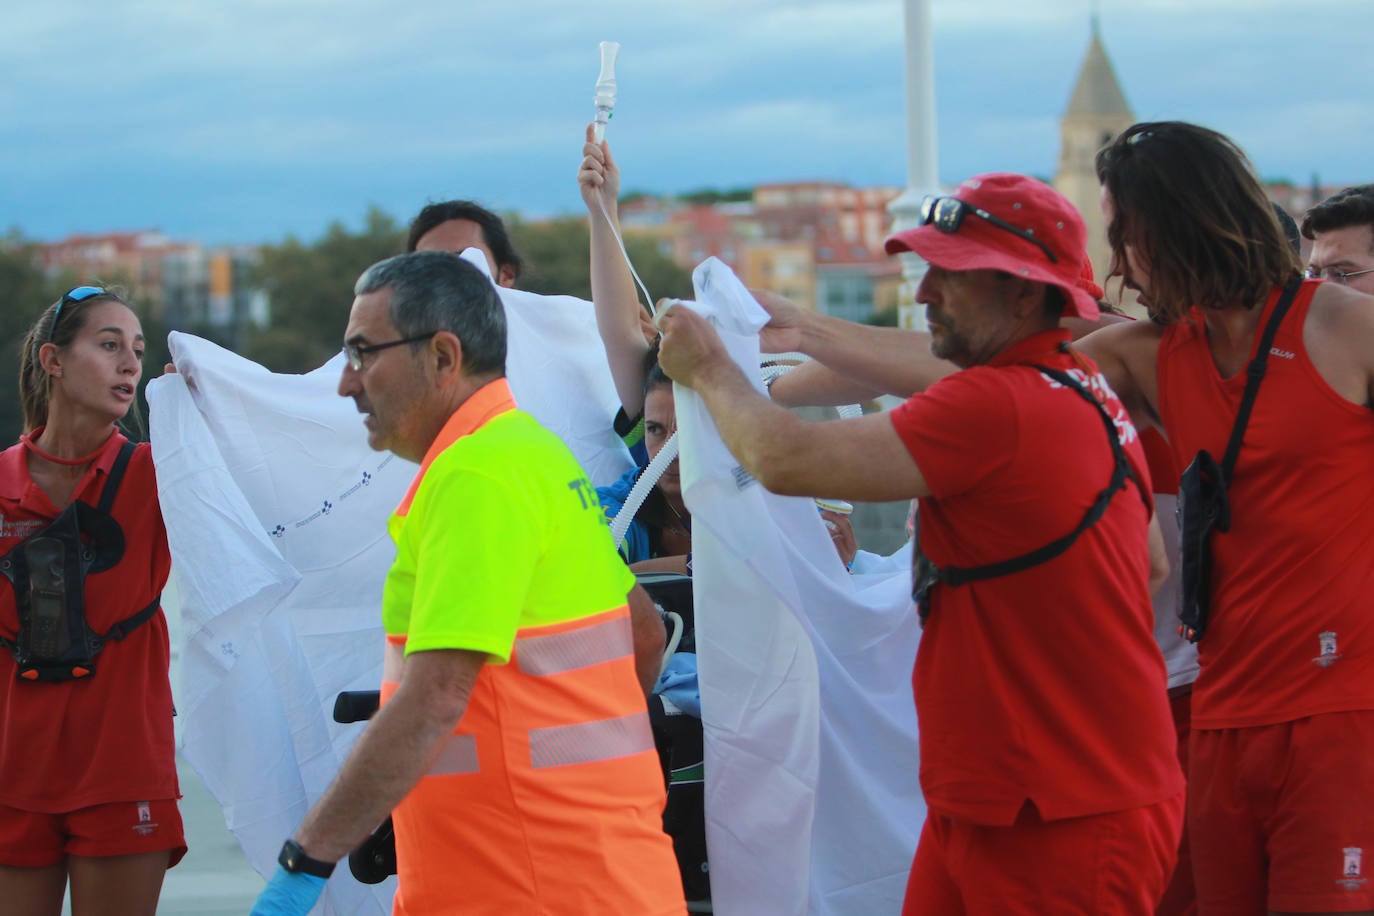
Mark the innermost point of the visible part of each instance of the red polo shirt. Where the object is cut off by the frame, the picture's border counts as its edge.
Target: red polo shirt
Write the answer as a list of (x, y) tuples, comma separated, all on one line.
[(1044, 685), (106, 738)]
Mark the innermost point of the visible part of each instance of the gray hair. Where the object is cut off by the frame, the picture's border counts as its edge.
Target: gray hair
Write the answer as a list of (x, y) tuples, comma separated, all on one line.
[(439, 291)]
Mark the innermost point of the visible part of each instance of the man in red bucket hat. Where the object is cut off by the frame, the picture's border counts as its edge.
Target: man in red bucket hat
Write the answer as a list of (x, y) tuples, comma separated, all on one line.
[(965, 232), (1047, 751)]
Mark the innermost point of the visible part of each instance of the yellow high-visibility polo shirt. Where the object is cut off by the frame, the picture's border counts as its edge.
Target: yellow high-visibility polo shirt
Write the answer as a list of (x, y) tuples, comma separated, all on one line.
[(500, 530)]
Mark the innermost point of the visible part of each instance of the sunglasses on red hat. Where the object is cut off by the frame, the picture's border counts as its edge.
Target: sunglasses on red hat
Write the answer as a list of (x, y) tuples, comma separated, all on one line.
[(947, 214)]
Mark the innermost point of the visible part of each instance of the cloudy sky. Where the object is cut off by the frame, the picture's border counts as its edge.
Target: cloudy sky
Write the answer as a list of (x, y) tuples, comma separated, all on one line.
[(247, 120)]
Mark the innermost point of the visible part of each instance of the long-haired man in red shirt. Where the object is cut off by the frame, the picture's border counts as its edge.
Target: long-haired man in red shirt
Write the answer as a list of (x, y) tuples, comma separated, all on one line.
[(1281, 768)]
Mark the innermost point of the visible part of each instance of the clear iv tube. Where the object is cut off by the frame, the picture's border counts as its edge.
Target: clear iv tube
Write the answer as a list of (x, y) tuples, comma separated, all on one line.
[(649, 300), (605, 109), (605, 89)]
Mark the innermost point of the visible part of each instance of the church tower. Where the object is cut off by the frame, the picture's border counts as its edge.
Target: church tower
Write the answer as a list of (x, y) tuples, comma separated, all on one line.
[(1097, 112)]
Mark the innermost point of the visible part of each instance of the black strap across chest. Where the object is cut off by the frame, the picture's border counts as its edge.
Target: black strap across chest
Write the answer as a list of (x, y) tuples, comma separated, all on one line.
[(107, 497), (116, 477), (1121, 472), (1254, 373)]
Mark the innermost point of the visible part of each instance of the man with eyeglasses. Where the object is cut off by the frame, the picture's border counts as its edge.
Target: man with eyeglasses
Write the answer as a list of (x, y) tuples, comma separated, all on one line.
[(1046, 744), (1342, 229), (512, 748)]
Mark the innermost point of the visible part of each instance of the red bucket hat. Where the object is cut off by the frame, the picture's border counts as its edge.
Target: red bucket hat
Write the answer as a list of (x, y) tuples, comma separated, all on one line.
[(979, 244), (1088, 282)]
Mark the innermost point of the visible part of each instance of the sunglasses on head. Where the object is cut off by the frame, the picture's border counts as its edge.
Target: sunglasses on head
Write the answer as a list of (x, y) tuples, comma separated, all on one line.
[(947, 215), (78, 294)]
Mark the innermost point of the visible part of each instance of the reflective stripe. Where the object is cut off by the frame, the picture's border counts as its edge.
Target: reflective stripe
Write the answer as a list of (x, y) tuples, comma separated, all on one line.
[(586, 742), (572, 649), (458, 756)]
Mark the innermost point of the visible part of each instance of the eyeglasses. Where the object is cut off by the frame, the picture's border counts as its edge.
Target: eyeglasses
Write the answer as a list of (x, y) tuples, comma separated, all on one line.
[(947, 215), (356, 352), (1334, 275), (79, 294)]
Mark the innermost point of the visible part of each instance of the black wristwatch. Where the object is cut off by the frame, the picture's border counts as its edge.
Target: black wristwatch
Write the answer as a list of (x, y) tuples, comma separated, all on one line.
[(294, 860)]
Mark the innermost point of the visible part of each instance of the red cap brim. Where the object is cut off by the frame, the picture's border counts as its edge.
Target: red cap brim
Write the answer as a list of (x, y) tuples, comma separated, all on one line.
[(967, 250)]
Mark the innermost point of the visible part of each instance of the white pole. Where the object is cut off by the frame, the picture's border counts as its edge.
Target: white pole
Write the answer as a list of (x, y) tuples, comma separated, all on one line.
[(923, 174)]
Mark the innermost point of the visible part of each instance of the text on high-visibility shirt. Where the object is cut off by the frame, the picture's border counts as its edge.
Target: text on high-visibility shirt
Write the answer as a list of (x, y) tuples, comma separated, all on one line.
[(501, 530)]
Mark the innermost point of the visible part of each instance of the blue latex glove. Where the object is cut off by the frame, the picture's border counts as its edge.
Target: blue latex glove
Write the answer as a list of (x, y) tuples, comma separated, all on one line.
[(678, 683), (288, 895)]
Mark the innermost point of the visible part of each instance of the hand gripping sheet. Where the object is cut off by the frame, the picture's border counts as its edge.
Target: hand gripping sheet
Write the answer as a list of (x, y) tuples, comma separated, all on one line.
[(812, 801)]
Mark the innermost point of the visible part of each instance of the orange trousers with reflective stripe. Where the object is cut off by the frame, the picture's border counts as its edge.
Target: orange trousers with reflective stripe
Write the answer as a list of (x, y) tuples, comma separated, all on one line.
[(549, 796)]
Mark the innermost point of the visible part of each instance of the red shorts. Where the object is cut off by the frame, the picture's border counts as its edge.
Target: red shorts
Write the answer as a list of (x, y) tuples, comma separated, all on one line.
[(1180, 897), (1282, 816), (1108, 864), (30, 840)]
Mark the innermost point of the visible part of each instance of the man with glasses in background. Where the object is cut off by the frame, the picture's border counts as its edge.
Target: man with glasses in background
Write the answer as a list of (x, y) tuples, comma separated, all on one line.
[(512, 748), (456, 225), (1342, 228), (1047, 749)]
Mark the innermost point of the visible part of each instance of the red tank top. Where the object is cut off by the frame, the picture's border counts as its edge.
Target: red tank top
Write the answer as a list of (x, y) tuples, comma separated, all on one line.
[(1164, 472), (1292, 632)]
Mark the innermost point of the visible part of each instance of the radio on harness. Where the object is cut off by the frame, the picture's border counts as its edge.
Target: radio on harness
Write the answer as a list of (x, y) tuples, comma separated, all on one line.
[(48, 572)]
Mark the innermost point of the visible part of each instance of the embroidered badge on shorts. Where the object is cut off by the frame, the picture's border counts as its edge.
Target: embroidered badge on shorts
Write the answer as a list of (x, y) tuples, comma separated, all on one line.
[(1329, 653), (146, 825), (1352, 878)]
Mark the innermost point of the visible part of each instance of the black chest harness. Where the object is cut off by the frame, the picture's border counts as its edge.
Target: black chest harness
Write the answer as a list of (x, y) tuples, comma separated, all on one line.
[(48, 572), (925, 574)]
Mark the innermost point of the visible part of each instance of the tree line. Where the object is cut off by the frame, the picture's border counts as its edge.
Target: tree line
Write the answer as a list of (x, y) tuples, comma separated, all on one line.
[(310, 288)]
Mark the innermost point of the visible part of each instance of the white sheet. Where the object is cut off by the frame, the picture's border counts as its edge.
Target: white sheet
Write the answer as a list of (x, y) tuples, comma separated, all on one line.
[(811, 760), (276, 511)]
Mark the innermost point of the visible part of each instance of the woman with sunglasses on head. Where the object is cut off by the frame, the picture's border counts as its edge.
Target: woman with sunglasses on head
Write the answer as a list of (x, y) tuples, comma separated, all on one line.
[(88, 783)]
